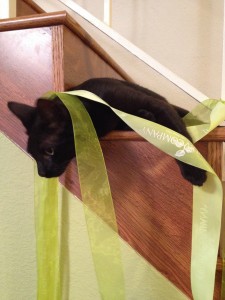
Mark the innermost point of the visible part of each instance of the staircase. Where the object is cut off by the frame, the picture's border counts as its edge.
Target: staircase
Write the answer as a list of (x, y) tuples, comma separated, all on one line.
[(51, 51)]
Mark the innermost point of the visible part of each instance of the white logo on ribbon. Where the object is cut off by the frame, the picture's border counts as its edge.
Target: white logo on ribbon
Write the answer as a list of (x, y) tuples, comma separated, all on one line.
[(178, 142), (187, 148)]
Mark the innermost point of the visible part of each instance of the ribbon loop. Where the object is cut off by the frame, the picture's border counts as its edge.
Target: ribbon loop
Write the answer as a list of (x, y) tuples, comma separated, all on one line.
[(207, 200)]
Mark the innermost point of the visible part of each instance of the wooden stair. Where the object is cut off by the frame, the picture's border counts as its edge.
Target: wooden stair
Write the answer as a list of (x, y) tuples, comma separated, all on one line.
[(153, 203)]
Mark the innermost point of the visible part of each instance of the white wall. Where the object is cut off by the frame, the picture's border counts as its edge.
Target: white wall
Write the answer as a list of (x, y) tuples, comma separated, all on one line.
[(18, 271), (185, 36), (94, 7), (7, 9)]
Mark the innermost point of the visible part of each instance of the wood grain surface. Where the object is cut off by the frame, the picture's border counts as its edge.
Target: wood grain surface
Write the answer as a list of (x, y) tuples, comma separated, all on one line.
[(153, 205), (26, 73), (58, 58), (25, 7)]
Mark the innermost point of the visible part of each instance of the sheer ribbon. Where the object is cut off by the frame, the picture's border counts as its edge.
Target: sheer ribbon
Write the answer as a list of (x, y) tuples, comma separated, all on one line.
[(207, 200)]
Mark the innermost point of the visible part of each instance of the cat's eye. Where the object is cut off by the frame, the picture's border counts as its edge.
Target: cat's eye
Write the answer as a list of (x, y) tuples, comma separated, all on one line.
[(50, 151)]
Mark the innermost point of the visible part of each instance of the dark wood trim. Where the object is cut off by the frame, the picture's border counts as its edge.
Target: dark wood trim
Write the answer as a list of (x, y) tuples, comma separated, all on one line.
[(214, 157), (218, 134)]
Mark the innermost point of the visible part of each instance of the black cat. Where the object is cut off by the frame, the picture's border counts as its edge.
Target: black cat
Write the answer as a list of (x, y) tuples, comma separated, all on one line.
[(49, 127)]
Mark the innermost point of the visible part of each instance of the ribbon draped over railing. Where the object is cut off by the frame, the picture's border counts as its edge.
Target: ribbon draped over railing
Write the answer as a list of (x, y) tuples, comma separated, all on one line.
[(207, 200)]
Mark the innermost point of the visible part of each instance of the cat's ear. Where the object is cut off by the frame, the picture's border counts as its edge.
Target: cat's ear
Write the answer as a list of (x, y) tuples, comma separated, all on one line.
[(24, 112), (48, 109), (53, 112)]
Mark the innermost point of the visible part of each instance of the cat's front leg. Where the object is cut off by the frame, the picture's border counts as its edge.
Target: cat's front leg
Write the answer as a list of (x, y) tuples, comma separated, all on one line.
[(193, 174), (166, 116)]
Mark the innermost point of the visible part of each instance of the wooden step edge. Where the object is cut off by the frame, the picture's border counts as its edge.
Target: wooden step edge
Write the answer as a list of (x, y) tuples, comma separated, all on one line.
[(33, 21), (216, 135)]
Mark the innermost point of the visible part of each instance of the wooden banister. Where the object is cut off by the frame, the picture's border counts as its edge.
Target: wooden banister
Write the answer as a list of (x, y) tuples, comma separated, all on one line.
[(33, 21), (217, 135)]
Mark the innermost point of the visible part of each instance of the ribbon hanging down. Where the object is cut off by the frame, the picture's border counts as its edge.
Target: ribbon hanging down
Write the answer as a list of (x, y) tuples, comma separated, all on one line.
[(96, 196), (207, 200), (47, 238)]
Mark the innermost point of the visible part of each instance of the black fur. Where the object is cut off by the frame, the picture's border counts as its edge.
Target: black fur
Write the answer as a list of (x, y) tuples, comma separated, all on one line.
[(49, 126)]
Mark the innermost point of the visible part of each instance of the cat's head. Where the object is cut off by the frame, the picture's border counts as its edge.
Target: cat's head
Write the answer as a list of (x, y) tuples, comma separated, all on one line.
[(50, 134)]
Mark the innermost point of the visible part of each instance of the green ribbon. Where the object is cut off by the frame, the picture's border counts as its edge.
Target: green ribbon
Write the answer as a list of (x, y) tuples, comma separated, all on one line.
[(96, 196), (47, 238), (207, 200), (204, 118)]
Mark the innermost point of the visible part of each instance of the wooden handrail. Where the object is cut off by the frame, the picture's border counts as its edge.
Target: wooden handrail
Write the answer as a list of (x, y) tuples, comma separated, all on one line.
[(39, 20), (216, 135)]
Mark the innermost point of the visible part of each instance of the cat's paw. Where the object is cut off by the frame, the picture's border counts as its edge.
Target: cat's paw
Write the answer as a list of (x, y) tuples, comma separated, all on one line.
[(194, 175)]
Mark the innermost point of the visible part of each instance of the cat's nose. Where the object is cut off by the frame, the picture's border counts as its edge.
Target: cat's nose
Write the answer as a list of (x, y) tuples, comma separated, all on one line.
[(45, 174), (41, 170), (42, 173)]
